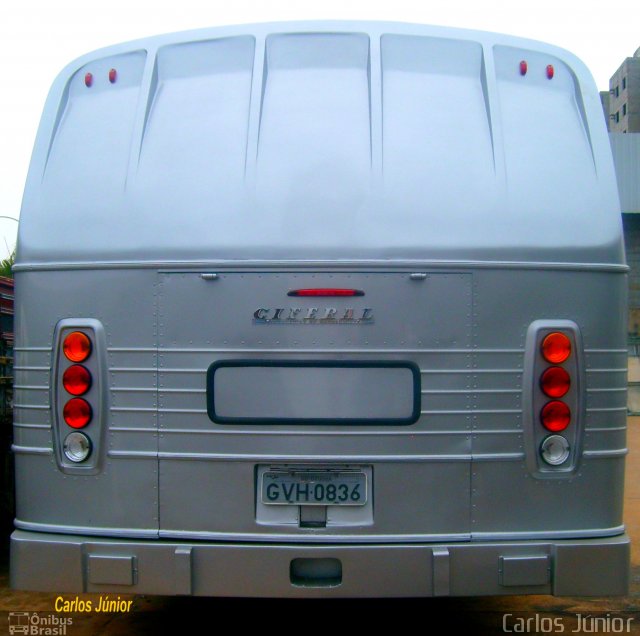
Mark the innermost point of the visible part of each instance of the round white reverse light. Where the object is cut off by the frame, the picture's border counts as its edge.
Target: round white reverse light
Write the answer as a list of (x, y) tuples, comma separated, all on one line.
[(555, 450), (77, 447)]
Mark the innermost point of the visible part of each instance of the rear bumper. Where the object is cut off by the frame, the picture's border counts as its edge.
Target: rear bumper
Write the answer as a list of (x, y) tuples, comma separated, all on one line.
[(74, 564)]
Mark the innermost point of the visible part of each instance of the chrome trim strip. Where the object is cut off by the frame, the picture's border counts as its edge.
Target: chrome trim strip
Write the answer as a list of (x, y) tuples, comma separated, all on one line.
[(123, 454), (605, 454), (168, 267), (498, 457), (266, 458), (548, 534), (303, 537), (247, 350), (31, 450), (39, 426), (471, 371), (31, 406), (351, 459), (88, 530), (473, 411), (332, 432), (625, 351)]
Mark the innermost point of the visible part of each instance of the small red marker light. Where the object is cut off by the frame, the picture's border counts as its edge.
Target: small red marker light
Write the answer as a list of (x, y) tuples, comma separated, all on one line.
[(523, 67), (319, 292), (88, 80), (550, 71), (113, 75)]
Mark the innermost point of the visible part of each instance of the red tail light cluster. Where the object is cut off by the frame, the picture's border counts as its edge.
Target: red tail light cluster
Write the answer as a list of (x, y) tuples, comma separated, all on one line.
[(555, 383), (76, 381)]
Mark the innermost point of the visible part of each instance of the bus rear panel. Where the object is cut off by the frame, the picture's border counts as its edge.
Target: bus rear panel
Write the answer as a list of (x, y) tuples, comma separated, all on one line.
[(321, 310)]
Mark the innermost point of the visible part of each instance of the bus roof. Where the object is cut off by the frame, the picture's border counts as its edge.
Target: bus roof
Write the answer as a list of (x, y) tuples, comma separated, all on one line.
[(318, 142)]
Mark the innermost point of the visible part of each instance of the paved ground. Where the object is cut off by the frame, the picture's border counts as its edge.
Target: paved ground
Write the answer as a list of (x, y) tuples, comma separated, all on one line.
[(547, 614)]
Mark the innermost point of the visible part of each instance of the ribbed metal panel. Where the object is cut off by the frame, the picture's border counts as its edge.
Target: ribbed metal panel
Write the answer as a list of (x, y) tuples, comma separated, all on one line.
[(626, 157)]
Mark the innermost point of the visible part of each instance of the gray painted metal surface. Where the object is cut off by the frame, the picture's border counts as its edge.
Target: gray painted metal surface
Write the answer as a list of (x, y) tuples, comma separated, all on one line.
[(563, 567), (293, 141), (178, 206)]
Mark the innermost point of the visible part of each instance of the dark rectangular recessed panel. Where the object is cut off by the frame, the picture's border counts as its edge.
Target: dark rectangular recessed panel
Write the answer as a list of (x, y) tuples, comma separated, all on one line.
[(313, 392)]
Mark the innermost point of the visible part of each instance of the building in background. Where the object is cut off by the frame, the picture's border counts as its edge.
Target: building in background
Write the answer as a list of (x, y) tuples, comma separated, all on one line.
[(7, 507), (621, 107), (624, 97), (626, 157), (6, 351), (605, 101)]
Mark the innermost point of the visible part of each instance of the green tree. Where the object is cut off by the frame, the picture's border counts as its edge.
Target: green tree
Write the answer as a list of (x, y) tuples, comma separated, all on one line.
[(6, 264)]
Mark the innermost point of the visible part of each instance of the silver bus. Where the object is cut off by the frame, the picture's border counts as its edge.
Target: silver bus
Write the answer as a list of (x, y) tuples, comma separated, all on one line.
[(321, 310)]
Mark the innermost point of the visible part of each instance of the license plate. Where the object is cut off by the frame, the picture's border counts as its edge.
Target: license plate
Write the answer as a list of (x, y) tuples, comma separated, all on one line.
[(301, 488)]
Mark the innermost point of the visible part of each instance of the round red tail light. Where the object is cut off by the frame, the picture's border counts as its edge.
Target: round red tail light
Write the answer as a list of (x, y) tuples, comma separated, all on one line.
[(77, 346), (555, 382), (77, 413), (76, 380), (556, 348), (555, 416)]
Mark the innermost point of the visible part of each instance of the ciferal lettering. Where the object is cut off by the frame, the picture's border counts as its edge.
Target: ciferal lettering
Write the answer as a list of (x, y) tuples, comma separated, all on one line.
[(313, 316)]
